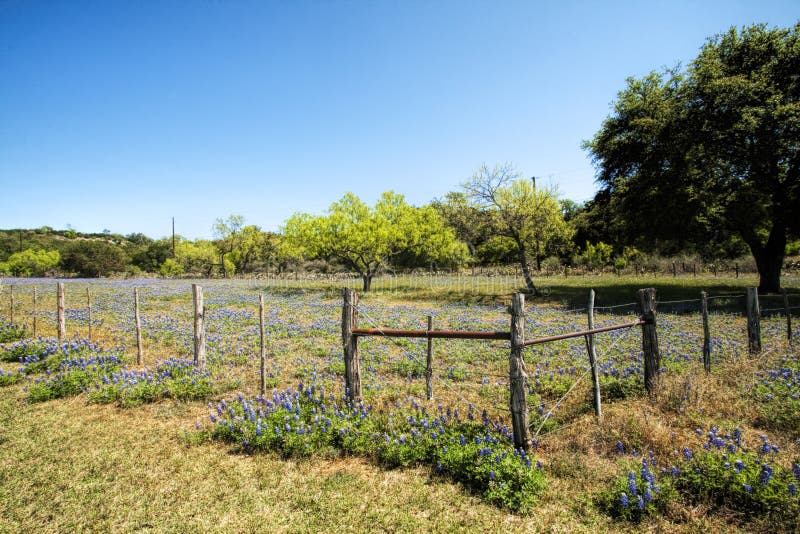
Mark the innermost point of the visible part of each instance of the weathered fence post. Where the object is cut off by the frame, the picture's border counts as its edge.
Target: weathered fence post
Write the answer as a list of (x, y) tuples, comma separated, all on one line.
[(429, 362), (593, 356), (753, 321), (11, 297), (34, 311), (652, 358), (352, 371), (62, 327), (706, 333), (518, 376), (788, 311), (137, 320), (199, 327), (89, 311), (262, 349)]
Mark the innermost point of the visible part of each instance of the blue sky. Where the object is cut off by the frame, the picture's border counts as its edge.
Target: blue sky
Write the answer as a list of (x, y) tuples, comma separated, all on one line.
[(122, 114)]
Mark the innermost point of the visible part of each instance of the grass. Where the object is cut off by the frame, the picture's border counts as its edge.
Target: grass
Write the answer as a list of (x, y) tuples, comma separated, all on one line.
[(69, 464)]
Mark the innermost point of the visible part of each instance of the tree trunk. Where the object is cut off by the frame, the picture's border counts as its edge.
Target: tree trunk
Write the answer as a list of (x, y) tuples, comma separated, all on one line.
[(367, 281), (769, 259), (526, 271)]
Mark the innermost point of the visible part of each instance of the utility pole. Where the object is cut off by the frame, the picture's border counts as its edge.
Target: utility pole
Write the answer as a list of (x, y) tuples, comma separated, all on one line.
[(533, 179)]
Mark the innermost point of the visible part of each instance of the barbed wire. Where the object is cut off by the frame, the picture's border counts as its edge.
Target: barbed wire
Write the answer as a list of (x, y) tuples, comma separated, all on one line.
[(410, 355), (569, 391)]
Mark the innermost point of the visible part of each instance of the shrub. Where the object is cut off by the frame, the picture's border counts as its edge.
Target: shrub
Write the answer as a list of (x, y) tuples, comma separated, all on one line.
[(632, 496), (74, 377), (597, 256), (303, 422), (10, 332)]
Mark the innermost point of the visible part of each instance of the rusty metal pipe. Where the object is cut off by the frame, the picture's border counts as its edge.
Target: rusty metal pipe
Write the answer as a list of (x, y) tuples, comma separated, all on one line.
[(547, 339), (443, 334)]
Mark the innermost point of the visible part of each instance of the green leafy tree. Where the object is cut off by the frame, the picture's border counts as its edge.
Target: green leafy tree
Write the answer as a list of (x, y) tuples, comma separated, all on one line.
[(151, 257), (93, 258), (227, 235), (597, 256), (31, 262), (469, 221), (712, 150), (366, 239), (529, 216), (254, 249), (196, 257)]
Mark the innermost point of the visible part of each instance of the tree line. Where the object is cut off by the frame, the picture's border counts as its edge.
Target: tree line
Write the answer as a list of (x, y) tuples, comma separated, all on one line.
[(703, 160)]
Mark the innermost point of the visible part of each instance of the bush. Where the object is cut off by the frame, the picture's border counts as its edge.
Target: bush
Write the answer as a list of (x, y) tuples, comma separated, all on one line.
[(74, 377), (597, 256), (303, 422), (10, 332), (552, 265), (632, 497)]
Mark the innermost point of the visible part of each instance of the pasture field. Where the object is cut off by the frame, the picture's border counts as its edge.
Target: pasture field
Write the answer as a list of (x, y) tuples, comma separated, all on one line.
[(91, 441)]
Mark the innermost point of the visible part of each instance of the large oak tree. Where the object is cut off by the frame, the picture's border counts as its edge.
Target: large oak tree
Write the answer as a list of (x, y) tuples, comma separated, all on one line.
[(690, 155)]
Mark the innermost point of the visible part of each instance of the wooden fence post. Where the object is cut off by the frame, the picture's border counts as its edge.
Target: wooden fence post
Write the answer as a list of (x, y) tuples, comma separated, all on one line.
[(753, 321), (652, 358), (429, 362), (199, 327), (137, 320), (518, 376), (261, 351), (34, 311), (62, 327), (352, 371), (788, 311), (89, 310), (593, 356), (706, 333)]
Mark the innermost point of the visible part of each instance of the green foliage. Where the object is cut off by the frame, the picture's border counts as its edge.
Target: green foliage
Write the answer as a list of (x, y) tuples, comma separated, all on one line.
[(597, 256), (636, 494), (198, 257), (497, 249), (777, 396), (152, 257), (74, 377), (366, 239), (173, 378), (31, 262), (10, 332), (531, 217), (741, 481), (93, 258), (9, 378), (300, 424), (711, 152), (170, 268)]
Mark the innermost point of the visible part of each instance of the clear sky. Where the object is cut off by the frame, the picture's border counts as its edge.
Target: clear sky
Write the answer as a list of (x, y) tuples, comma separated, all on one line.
[(122, 114)]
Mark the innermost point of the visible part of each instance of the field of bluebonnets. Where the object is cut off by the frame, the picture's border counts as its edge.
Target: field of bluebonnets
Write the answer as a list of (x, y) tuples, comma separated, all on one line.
[(90, 440)]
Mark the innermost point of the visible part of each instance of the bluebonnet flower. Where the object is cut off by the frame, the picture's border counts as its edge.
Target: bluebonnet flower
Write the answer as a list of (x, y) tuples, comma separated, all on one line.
[(632, 483)]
